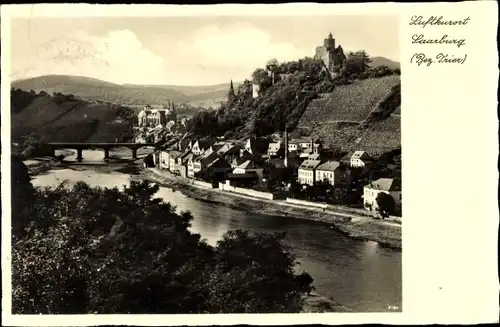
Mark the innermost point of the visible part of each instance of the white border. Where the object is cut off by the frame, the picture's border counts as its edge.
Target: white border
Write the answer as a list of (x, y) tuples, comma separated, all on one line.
[(450, 149)]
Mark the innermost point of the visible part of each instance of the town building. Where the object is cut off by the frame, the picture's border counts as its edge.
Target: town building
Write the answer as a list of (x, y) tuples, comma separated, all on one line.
[(256, 146), (333, 172), (153, 117), (200, 162), (172, 165), (275, 149), (255, 90), (216, 170), (391, 186), (182, 162), (306, 174), (200, 146), (250, 167), (360, 159), (332, 57)]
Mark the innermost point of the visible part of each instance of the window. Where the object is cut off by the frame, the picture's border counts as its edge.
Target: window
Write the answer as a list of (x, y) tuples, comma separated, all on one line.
[(400, 195)]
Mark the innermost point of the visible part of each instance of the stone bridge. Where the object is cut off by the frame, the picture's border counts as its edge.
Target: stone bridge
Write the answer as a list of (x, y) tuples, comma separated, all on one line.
[(79, 147)]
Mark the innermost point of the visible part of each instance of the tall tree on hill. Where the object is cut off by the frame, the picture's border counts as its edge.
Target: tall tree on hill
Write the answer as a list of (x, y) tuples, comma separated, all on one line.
[(230, 94), (261, 77), (356, 63)]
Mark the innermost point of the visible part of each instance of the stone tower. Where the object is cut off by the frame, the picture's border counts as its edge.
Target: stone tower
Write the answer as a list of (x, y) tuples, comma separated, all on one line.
[(329, 43), (332, 56)]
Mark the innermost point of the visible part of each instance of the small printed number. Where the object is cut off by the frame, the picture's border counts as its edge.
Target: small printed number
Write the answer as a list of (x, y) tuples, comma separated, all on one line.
[(392, 307)]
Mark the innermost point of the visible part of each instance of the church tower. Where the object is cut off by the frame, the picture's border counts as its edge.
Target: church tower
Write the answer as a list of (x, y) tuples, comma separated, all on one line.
[(230, 94)]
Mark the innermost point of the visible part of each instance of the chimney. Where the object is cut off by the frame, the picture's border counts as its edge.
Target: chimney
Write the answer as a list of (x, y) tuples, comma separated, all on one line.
[(312, 144), (286, 148), (179, 147)]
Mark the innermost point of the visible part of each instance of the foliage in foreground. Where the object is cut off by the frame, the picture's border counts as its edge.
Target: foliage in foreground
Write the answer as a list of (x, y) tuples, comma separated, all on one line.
[(93, 250)]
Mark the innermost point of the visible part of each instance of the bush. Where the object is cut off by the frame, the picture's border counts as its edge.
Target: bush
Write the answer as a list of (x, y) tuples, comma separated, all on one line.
[(87, 250)]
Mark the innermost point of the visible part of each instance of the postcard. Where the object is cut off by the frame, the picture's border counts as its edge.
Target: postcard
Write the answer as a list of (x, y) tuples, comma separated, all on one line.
[(214, 164)]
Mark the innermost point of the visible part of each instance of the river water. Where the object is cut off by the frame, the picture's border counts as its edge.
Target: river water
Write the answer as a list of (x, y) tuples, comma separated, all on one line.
[(361, 275)]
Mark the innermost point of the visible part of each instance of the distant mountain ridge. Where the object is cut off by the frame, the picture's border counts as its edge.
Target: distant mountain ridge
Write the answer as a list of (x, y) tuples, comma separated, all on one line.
[(128, 94), (382, 61), (92, 89)]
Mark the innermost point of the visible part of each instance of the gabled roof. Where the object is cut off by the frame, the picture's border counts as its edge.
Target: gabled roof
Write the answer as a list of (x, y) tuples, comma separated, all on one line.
[(219, 163), (314, 156), (206, 156), (174, 154), (249, 164), (386, 184), (204, 144), (360, 155), (309, 164), (258, 146), (185, 154), (329, 166), (229, 148)]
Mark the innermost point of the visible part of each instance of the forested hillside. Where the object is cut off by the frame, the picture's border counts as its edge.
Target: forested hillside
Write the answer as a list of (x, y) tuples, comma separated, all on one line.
[(348, 111), (64, 118), (92, 89)]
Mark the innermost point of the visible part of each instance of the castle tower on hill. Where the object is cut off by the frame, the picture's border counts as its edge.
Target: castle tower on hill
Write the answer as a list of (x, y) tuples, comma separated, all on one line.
[(332, 57)]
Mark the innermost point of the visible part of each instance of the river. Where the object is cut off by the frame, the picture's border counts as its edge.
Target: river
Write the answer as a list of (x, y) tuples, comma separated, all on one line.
[(363, 276)]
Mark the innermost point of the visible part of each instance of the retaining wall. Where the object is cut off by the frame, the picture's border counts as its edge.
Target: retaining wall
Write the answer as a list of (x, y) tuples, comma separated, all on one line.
[(246, 191), (201, 183), (307, 203)]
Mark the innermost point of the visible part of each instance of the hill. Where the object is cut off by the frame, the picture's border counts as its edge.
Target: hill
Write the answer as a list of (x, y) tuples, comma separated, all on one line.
[(62, 118), (360, 116), (348, 103), (96, 90), (353, 110), (382, 61)]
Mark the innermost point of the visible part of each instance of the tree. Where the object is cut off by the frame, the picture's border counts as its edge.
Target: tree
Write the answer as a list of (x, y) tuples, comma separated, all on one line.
[(386, 204), (356, 63), (247, 282), (32, 145), (261, 78), (106, 251), (22, 195)]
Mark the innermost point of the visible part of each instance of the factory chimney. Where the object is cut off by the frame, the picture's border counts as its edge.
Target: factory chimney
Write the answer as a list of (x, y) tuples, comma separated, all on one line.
[(286, 148)]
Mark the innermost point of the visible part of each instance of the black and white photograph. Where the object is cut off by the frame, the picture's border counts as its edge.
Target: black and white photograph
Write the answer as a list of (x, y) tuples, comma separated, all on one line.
[(205, 164)]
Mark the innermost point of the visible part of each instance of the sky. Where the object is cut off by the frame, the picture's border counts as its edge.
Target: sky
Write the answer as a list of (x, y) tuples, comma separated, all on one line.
[(185, 50)]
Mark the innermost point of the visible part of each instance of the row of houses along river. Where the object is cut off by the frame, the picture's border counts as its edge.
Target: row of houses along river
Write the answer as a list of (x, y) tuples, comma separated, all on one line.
[(360, 275)]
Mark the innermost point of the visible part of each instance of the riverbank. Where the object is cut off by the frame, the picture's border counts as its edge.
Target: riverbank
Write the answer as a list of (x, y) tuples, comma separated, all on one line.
[(356, 227), (127, 169)]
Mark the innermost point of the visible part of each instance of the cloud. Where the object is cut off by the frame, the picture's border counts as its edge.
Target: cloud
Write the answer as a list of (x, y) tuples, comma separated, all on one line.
[(118, 56), (237, 46)]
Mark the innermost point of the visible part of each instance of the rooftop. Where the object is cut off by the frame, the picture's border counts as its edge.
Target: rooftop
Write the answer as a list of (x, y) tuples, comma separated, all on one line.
[(386, 184), (309, 164), (329, 166)]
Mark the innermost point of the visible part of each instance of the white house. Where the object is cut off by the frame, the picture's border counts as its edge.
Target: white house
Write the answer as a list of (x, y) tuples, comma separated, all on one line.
[(360, 159), (306, 173), (255, 90), (334, 172), (201, 162), (172, 165), (199, 147), (391, 186), (164, 159), (275, 149)]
